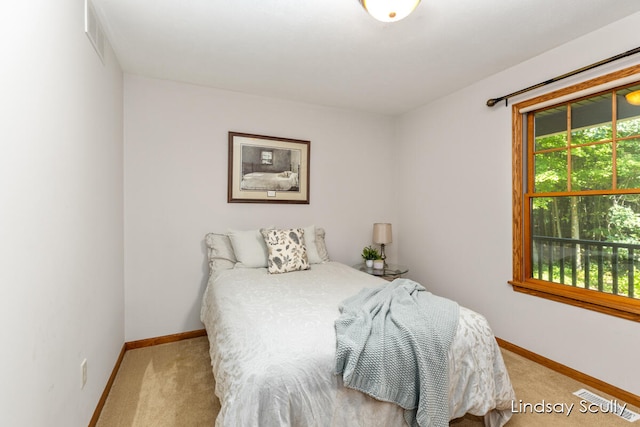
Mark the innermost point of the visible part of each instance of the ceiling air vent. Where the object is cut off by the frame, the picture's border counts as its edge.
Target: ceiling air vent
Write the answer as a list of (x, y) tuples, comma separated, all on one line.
[(93, 29)]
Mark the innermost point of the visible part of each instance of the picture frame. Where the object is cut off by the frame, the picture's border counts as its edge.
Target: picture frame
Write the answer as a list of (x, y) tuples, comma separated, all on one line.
[(268, 169)]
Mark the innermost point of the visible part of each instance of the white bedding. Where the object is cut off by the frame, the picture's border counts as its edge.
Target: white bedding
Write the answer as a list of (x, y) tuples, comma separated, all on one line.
[(273, 371), (282, 181)]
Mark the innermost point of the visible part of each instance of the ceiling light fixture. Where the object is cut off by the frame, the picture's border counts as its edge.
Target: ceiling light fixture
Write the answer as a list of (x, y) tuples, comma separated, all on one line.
[(633, 98), (389, 10)]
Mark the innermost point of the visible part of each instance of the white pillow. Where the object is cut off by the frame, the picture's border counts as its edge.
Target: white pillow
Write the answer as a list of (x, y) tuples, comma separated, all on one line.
[(311, 245), (249, 248), (219, 252), (321, 245)]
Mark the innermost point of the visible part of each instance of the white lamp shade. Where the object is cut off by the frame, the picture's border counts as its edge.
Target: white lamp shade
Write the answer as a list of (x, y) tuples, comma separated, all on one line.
[(382, 233), (389, 10)]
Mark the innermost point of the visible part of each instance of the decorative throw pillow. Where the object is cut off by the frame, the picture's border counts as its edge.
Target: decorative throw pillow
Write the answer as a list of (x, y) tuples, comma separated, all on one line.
[(287, 251)]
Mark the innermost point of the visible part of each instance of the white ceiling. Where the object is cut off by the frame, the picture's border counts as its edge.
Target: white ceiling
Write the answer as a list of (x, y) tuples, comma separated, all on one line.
[(331, 52)]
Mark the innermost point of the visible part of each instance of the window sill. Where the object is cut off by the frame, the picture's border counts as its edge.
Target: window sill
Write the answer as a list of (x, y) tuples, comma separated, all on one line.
[(591, 300)]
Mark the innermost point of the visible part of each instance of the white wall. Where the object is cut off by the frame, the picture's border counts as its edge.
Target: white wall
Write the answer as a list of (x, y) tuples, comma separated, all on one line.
[(456, 203), (61, 224), (176, 152)]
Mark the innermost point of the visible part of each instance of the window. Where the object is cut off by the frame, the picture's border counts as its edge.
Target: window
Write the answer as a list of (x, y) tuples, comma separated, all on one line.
[(576, 204), (266, 157)]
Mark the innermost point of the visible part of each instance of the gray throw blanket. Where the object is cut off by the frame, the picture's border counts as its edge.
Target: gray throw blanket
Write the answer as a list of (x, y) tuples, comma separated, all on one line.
[(393, 343)]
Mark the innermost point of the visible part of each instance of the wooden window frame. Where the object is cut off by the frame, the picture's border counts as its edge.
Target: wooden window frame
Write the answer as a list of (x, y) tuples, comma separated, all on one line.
[(522, 281)]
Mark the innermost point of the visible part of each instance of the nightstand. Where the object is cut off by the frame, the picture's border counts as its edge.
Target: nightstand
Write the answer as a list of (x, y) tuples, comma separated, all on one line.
[(390, 272)]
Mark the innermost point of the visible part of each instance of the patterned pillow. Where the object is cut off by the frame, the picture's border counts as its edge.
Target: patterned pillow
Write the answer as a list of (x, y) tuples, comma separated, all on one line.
[(287, 251)]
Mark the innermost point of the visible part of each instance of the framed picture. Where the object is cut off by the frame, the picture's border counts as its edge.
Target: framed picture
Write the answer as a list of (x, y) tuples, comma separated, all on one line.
[(268, 169)]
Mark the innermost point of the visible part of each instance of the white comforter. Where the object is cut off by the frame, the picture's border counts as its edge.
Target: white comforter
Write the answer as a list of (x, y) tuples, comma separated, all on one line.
[(275, 181), (272, 346)]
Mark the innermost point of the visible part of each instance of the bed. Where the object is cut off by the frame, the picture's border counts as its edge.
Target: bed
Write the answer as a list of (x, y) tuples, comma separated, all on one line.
[(273, 344), (274, 181)]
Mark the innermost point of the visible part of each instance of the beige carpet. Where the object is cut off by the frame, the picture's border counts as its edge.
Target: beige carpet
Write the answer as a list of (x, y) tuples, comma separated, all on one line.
[(172, 385), (164, 385)]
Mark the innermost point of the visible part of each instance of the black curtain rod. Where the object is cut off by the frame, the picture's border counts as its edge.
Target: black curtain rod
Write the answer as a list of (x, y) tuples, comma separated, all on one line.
[(494, 101)]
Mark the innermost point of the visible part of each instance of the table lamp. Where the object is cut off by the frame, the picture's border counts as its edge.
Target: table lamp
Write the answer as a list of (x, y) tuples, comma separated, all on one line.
[(382, 236)]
